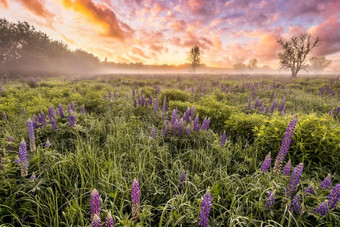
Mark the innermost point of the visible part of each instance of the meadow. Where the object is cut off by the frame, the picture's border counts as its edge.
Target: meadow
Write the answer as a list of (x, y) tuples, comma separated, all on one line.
[(170, 150)]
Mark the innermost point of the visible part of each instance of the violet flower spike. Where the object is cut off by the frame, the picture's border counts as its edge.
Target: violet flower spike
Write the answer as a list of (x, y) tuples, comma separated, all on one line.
[(135, 199), (294, 180), (23, 158), (109, 220), (71, 120), (266, 163), (326, 183), (224, 137), (83, 109), (47, 144), (295, 206), (322, 208), (61, 110), (187, 130), (31, 134), (96, 222), (95, 203), (270, 200), (309, 190), (205, 209), (153, 133), (287, 168), (334, 196)]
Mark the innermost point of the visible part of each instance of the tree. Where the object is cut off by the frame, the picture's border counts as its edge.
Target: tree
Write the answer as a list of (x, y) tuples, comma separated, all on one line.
[(253, 64), (240, 67), (295, 51), (318, 64), (194, 57)]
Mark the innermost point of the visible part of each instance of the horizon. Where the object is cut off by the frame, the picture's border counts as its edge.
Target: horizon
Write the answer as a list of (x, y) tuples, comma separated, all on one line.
[(228, 32)]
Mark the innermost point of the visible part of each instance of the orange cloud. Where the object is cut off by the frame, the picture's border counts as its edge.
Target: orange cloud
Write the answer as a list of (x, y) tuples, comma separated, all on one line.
[(37, 7), (4, 4), (101, 15)]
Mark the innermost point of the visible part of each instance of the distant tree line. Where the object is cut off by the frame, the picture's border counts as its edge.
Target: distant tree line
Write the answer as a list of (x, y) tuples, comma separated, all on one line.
[(26, 51)]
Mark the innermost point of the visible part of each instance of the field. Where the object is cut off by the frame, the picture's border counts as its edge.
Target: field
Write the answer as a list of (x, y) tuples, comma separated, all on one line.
[(122, 129)]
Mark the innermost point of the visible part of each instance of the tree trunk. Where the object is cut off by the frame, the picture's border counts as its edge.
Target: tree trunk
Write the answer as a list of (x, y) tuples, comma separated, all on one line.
[(294, 73)]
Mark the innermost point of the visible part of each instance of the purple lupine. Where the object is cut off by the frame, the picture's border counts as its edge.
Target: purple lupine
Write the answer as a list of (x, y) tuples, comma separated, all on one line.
[(175, 127), (166, 129), (266, 163), (31, 134), (282, 106), (33, 177), (95, 203), (256, 103), (205, 209), (42, 119), (272, 97), (272, 109), (23, 158), (249, 104), (187, 115), (134, 103), (285, 144), (96, 222), (25, 111), (47, 144), (163, 107), (83, 109), (1, 166), (54, 124), (10, 139), (73, 107), (173, 116), (326, 183), (334, 196), (322, 208), (295, 206), (267, 109), (61, 110), (180, 127), (192, 112), (287, 168), (309, 190), (262, 107), (270, 200), (155, 106), (187, 130), (224, 137), (208, 123), (4, 115), (72, 120), (181, 180), (135, 199), (294, 180), (51, 112), (109, 94), (109, 220), (162, 132), (68, 109), (153, 133), (196, 125)]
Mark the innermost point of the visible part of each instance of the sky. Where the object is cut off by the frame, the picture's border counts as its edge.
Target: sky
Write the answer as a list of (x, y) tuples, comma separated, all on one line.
[(163, 31)]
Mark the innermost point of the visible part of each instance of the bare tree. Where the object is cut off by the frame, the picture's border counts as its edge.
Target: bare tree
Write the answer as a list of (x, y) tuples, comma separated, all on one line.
[(295, 51), (253, 64), (194, 57), (318, 64)]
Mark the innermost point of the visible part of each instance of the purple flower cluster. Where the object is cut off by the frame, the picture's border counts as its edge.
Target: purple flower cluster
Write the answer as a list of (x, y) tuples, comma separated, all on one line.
[(153, 133), (54, 124), (205, 209), (322, 208), (109, 220), (95, 203), (135, 199), (309, 190), (334, 196), (83, 109), (33, 177), (96, 222), (23, 158), (72, 120), (1, 166), (287, 168), (295, 206), (294, 180), (51, 112), (31, 136), (42, 119), (326, 183), (270, 200), (47, 144), (224, 137), (285, 145), (266, 163)]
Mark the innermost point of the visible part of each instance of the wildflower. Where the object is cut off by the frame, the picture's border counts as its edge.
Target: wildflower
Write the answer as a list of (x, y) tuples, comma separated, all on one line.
[(68, 109), (166, 130), (83, 109), (23, 158), (180, 127), (196, 125), (51, 112), (181, 180), (266, 163), (47, 144), (4, 115), (287, 168), (153, 133), (95, 203), (135, 199), (163, 107), (256, 103), (31, 134), (53, 123), (109, 220), (175, 127), (109, 94), (96, 222), (295, 206), (61, 110), (309, 190), (326, 183), (174, 116), (322, 208), (155, 106), (71, 120), (294, 180), (273, 106), (267, 109), (1, 167), (42, 118), (205, 209), (187, 130), (224, 137), (285, 144), (270, 200), (249, 104), (33, 177), (334, 196), (192, 112), (25, 111), (272, 97), (10, 139), (134, 103)]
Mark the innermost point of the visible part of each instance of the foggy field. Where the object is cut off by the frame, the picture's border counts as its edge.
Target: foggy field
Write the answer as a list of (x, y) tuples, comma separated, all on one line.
[(199, 156)]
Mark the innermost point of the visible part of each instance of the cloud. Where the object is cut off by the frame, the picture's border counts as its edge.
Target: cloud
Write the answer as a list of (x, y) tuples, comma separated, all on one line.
[(100, 14), (4, 4), (37, 7)]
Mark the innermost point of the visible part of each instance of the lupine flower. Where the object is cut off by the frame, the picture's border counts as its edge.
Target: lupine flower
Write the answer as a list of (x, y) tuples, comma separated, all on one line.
[(181, 180), (73, 107), (1, 167), (72, 120), (83, 109), (134, 103), (267, 109), (135, 199), (281, 107), (295, 206), (334, 196), (162, 132), (4, 115), (294, 180), (153, 133), (163, 107), (23, 158), (272, 97), (224, 137), (180, 127), (270, 200), (109, 94), (35, 121), (196, 125), (33, 177), (192, 112), (174, 116), (322, 208), (10, 139), (166, 130), (25, 111), (205, 209), (47, 144), (266, 163), (109, 220), (287, 168), (326, 183), (96, 222), (285, 144), (54, 124), (51, 112), (95, 203), (175, 127), (155, 107), (68, 109), (31, 134), (256, 103), (273, 106), (73, 90), (42, 119), (309, 190), (249, 104), (61, 110), (187, 130)]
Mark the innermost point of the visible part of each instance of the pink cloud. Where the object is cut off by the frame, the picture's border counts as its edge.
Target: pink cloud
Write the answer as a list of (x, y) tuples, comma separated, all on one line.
[(4, 4), (37, 7)]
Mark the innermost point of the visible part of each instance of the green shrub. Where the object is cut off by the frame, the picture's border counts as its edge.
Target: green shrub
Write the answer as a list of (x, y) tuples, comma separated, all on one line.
[(174, 95)]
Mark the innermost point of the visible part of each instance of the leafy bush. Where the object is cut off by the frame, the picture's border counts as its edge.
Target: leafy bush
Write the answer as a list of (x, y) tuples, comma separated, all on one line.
[(174, 95)]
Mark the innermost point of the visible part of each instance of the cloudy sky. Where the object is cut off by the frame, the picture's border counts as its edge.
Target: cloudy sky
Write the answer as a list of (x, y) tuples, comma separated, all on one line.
[(163, 31)]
